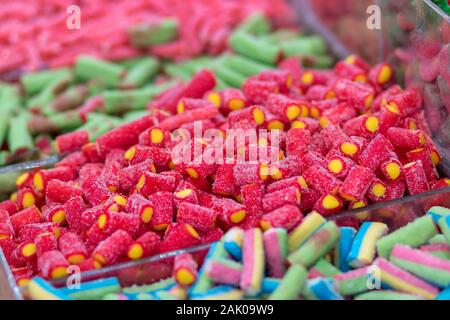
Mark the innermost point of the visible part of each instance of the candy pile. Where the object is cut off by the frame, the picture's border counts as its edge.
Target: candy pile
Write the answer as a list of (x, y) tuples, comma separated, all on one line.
[(317, 260), (97, 95), (44, 34), (348, 137)]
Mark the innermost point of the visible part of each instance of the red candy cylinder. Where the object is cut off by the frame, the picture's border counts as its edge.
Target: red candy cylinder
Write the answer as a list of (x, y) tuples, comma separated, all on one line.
[(406, 139), (277, 199), (185, 269), (26, 216), (52, 264), (320, 179), (144, 246), (72, 247), (201, 218), (142, 207), (45, 242), (424, 155), (415, 177), (43, 177), (328, 204), (110, 249), (356, 184), (286, 217), (150, 183), (72, 141), (178, 236), (162, 210)]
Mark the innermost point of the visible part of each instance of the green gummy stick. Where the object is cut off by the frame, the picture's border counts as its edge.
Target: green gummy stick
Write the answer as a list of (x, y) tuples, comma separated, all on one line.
[(71, 98), (19, 137), (228, 75), (386, 295), (36, 81), (10, 99), (4, 155), (292, 284), (178, 71), (99, 124), (87, 68), (439, 238), (145, 35), (317, 246), (304, 46), (413, 234), (66, 121), (280, 36), (8, 181), (254, 48), (142, 72), (244, 65), (256, 24), (318, 61), (5, 116), (326, 268), (42, 99), (133, 115), (444, 224)]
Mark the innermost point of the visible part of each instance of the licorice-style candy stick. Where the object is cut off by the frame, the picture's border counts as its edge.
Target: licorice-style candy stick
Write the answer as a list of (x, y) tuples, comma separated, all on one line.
[(232, 241), (224, 271), (254, 48), (405, 102), (142, 207), (381, 74), (144, 70), (26, 216), (313, 249), (144, 246), (258, 91), (283, 107), (22, 275), (129, 176), (442, 183), (111, 221), (356, 183), (26, 198), (229, 211), (201, 218), (200, 171), (320, 179), (424, 155), (276, 251), (413, 234), (162, 210), (406, 139), (150, 183), (286, 217), (328, 204), (351, 147), (292, 283), (185, 269), (72, 141), (232, 99), (58, 191), (340, 166), (437, 212), (309, 225), (154, 136), (415, 177), (321, 289), (350, 71), (72, 247), (387, 295), (323, 269), (401, 280), (376, 152), (178, 236), (43, 177), (377, 190), (363, 247), (352, 282), (30, 231), (109, 250), (253, 262), (185, 192), (296, 181), (52, 264), (343, 248), (9, 206), (188, 117), (392, 169), (74, 209), (186, 104), (45, 242), (277, 199), (358, 95), (19, 137), (363, 126)]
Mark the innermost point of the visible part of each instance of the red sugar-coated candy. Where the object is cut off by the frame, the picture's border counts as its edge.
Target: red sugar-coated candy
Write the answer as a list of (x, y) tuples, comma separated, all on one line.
[(179, 236), (150, 183), (387, 119), (25, 252), (74, 160), (382, 97), (52, 265), (282, 77), (311, 158), (43, 177), (293, 66), (140, 206), (229, 211), (351, 147), (247, 173), (185, 269), (32, 230), (89, 264), (109, 250), (214, 235), (356, 60), (337, 114), (224, 181), (26, 216), (320, 92), (186, 104), (404, 103), (376, 152), (201, 218), (110, 175), (8, 246), (45, 242), (155, 137), (189, 116), (252, 114), (6, 230), (297, 141), (138, 154), (377, 190), (94, 236), (231, 99), (381, 74), (95, 191), (72, 247), (395, 190), (27, 197), (162, 210), (358, 204), (314, 77), (406, 139), (177, 176), (356, 94), (74, 209), (286, 217), (350, 71), (185, 192), (286, 168), (144, 246), (258, 91), (24, 180), (111, 221), (10, 206), (59, 191), (90, 170), (22, 275), (54, 213), (328, 204), (424, 155), (130, 176), (125, 136), (252, 195), (202, 82), (320, 179), (356, 183), (282, 106), (168, 100), (115, 155), (332, 135), (296, 181), (392, 169), (415, 177), (441, 183), (90, 151), (72, 141), (340, 166), (277, 199), (363, 126), (312, 125), (200, 171)]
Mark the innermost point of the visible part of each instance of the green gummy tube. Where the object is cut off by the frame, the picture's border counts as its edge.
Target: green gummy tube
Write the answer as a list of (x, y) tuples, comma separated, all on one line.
[(133, 115), (98, 124), (254, 48), (413, 234), (160, 285), (8, 181), (66, 121), (36, 81), (5, 116), (311, 45), (352, 282), (326, 268), (244, 65), (143, 71), (317, 246), (439, 238), (10, 98), (292, 284), (69, 99), (318, 61), (229, 76), (444, 224), (178, 71), (4, 155), (19, 137), (256, 24), (386, 295), (280, 36), (42, 99), (87, 68), (145, 35), (220, 84)]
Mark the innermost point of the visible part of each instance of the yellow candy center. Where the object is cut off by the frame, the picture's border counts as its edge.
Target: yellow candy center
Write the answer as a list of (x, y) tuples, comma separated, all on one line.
[(135, 252), (393, 170), (183, 193), (349, 148), (236, 104), (275, 125), (378, 190), (292, 112), (335, 166), (258, 116), (192, 172), (265, 225), (372, 124), (147, 215), (28, 200), (385, 74), (156, 135), (129, 154), (185, 277), (330, 202), (38, 182), (22, 178), (238, 216), (215, 99), (59, 216), (192, 231), (29, 250), (102, 221), (59, 272), (76, 258)]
